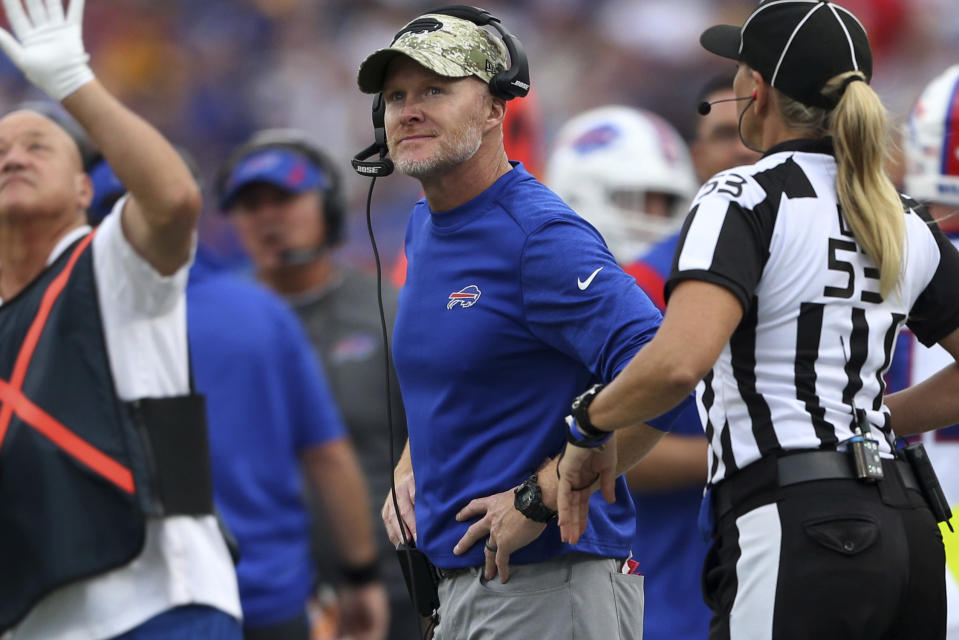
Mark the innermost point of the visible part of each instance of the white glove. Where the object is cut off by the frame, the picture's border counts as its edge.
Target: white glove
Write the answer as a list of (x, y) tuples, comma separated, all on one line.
[(50, 49)]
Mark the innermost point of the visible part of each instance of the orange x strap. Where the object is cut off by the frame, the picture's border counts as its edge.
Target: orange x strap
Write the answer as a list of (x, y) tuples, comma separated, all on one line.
[(11, 393)]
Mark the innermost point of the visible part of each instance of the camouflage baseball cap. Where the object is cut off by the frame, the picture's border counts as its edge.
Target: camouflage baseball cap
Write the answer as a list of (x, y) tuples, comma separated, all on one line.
[(451, 47)]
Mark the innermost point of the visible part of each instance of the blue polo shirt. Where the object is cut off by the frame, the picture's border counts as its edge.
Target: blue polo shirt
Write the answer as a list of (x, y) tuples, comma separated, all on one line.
[(267, 401), (512, 307)]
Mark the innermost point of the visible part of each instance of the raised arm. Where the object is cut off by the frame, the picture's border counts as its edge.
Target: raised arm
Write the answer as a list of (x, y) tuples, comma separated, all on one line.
[(165, 203)]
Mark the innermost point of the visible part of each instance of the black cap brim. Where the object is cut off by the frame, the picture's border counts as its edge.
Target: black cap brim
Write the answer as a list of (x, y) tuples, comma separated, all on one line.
[(723, 40)]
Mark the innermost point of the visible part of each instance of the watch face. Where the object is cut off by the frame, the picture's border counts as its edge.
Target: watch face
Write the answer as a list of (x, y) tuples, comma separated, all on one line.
[(524, 498), (528, 500)]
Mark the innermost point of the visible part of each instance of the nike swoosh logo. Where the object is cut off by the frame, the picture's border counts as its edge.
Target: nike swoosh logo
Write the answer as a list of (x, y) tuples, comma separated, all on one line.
[(583, 284)]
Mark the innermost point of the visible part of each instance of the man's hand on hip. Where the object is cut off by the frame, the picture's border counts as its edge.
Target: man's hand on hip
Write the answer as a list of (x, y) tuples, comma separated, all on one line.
[(502, 528), (406, 498)]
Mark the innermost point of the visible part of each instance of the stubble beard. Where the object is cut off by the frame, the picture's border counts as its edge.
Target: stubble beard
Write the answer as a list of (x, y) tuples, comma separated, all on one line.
[(456, 149)]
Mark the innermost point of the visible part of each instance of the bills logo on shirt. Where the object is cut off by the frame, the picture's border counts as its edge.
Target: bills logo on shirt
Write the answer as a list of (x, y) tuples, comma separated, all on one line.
[(466, 297)]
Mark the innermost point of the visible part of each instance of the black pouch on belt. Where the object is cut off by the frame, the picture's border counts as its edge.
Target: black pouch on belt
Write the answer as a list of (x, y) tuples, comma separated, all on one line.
[(174, 437), (421, 579), (928, 482)]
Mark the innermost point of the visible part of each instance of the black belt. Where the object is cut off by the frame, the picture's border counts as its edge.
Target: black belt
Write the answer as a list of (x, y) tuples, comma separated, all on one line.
[(448, 574), (771, 473)]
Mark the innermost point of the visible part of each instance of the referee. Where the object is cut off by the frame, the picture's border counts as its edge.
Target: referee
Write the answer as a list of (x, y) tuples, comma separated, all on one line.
[(789, 285)]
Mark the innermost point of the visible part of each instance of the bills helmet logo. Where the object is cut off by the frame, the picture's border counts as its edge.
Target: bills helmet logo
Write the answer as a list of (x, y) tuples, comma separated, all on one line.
[(465, 297), (598, 137)]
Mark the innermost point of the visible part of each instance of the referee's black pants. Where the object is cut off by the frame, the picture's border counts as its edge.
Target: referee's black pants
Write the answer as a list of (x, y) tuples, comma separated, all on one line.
[(827, 559)]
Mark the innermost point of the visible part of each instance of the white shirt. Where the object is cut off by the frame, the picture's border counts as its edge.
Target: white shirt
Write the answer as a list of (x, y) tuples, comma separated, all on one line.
[(184, 560)]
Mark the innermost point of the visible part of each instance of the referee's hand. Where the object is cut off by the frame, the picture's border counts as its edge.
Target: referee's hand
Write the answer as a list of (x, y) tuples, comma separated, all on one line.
[(581, 472)]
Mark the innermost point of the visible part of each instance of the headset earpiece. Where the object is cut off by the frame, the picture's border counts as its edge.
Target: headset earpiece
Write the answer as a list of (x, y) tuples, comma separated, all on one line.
[(509, 83), (379, 116)]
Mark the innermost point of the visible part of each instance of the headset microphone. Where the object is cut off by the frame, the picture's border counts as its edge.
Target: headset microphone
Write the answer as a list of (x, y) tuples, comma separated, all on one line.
[(705, 107), (300, 257), (361, 162), (373, 168)]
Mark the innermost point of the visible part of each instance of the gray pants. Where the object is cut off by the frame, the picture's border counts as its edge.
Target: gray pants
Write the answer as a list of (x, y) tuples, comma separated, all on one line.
[(572, 597)]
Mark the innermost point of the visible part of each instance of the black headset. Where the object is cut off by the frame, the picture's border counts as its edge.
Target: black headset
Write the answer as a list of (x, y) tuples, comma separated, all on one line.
[(334, 205), (507, 84)]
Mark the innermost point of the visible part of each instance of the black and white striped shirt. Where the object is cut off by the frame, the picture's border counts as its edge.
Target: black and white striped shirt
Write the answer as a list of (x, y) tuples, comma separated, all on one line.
[(816, 337)]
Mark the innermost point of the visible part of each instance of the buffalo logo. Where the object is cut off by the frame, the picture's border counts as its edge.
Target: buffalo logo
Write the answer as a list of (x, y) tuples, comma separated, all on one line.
[(465, 297), (421, 25), (353, 348), (599, 137)]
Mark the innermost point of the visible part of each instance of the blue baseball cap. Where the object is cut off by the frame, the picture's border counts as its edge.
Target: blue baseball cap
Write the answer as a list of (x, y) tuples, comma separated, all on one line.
[(283, 168)]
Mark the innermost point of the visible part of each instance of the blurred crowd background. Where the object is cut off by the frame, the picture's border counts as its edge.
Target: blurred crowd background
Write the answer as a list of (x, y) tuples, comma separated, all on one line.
[(209, 72)]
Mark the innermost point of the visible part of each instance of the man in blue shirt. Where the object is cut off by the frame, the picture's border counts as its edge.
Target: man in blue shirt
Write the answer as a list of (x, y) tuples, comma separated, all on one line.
[(270, 412), (283, 193), (512, 306)]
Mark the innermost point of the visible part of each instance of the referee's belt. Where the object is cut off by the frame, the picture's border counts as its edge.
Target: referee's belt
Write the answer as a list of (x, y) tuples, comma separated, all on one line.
[(778, 472)]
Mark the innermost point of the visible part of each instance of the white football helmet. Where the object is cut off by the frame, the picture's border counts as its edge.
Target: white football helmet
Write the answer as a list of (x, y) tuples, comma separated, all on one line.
[(932, 142), (607, 161)]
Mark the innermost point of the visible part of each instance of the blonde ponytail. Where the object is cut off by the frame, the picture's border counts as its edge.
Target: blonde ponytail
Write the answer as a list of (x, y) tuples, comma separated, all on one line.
[(870, 203)]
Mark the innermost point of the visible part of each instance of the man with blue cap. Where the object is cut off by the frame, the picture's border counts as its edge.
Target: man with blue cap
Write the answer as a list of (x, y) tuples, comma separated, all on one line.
[(270, 411), (283, 194)]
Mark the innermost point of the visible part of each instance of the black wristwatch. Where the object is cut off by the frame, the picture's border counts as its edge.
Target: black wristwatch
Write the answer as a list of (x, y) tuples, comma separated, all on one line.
[(580, 411), (528, 500)]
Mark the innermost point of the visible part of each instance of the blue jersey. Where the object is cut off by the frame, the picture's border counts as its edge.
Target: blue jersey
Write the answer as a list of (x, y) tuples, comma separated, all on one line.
[(668, 544), (267, 400), (512, 307)]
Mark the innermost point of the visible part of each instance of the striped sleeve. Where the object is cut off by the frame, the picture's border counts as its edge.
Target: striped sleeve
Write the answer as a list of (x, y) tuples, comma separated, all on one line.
[(724, 243), (935, 314)]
